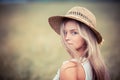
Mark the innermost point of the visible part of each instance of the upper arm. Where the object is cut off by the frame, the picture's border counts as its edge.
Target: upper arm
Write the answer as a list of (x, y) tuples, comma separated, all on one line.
[(71, 71), (68, 71)]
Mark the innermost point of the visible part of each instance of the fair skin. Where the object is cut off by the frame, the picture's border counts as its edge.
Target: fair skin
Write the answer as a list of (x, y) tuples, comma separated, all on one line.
[(72, 36), (71, 70)]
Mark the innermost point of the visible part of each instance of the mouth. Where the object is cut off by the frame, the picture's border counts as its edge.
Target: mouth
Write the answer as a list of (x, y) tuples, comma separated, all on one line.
[(69, 43)]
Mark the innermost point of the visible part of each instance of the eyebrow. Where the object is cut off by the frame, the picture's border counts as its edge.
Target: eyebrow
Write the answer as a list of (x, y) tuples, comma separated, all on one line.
[(72, 29)]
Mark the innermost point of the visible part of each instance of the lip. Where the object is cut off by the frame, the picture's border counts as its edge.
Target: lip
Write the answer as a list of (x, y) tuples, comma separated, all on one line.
[(69, 43)]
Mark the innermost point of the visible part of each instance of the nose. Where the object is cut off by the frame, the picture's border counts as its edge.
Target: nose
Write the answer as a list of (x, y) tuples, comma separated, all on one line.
[(67, 37)]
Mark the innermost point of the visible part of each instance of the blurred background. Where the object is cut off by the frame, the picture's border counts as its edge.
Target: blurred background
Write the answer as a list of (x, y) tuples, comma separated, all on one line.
[(31, 50)]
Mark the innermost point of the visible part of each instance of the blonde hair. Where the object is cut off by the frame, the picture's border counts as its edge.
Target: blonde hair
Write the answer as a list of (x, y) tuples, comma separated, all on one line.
[(92, 51)]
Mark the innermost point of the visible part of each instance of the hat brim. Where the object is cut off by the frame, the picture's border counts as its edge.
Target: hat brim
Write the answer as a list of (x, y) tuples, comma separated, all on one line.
[(55, 22)]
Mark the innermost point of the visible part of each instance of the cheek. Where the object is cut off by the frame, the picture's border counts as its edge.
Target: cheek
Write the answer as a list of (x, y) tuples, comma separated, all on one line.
[(79, 42)]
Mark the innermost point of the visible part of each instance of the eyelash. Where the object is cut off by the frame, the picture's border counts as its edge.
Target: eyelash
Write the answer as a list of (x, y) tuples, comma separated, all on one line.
[(73, 33)]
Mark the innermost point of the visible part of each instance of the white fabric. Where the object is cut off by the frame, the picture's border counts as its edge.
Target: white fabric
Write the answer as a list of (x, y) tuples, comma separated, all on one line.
[(87, 68), (57, 76)]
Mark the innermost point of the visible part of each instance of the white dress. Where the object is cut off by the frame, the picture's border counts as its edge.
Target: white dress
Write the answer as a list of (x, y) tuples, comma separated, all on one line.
[(87, 68)]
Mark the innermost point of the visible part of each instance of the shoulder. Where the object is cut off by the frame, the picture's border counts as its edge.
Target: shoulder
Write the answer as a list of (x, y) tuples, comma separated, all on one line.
[(70, 70)]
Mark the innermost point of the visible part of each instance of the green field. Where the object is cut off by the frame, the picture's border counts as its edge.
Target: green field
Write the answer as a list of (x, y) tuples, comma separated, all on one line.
[(31, 50)]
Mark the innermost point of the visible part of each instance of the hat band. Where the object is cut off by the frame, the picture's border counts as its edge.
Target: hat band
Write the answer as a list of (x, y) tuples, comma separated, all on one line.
[(81, 15)]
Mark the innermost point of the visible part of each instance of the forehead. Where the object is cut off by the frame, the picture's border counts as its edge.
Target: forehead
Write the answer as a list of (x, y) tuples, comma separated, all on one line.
[(71, 24)]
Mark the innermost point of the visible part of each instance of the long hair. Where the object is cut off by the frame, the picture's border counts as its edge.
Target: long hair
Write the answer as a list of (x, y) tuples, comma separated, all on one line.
[(92, 51)]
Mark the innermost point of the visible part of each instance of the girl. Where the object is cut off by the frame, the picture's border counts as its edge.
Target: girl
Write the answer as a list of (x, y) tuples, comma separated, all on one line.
[(81, 40)]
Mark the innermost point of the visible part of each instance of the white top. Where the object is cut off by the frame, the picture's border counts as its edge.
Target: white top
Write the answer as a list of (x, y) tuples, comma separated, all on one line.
[(87, 68)]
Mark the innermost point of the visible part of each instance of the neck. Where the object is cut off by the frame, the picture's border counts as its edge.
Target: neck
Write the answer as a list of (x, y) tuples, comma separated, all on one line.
[(81, 50)]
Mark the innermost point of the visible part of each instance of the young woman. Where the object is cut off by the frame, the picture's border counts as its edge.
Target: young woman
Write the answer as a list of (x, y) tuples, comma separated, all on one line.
[(81, 40)]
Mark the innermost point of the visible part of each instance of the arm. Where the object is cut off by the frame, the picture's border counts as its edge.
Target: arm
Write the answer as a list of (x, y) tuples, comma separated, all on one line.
[(72, 71)]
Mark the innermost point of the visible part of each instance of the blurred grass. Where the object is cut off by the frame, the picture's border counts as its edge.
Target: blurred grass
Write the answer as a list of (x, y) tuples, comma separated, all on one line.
[(38, 47)]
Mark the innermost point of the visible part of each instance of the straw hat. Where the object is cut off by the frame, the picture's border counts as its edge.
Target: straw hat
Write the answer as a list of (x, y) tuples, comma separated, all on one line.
[(80, 14)]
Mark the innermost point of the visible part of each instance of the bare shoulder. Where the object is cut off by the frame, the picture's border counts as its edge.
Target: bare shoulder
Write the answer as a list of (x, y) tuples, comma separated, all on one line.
[(72, 71)]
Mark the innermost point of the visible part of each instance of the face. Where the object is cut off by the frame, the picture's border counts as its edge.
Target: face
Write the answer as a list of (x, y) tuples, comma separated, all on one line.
[(72, 36)]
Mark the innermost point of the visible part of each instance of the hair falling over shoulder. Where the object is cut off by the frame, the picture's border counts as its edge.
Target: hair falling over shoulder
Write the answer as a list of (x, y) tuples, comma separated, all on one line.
[(100, 71), (92, 51)]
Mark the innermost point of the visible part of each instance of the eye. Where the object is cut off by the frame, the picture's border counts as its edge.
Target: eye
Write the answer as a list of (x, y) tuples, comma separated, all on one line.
[(65, 32), (74, 33)]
